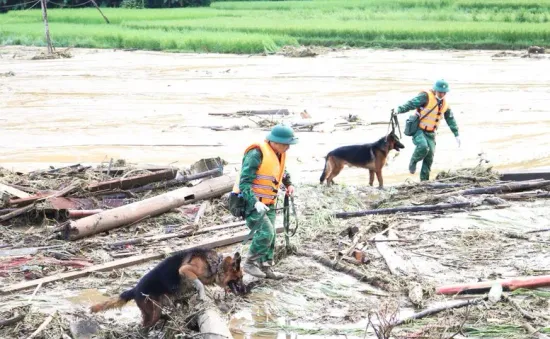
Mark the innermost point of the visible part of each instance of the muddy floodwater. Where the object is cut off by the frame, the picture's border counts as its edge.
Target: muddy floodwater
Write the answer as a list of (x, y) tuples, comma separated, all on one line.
[(150, 107)]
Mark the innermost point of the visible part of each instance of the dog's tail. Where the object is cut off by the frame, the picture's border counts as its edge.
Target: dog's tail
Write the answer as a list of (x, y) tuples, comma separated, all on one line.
[(324, 174), (117, 302)]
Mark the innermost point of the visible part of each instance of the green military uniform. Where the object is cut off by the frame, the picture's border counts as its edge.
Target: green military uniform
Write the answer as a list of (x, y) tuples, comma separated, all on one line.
[(263, 242), (425, 141), (260, 257)]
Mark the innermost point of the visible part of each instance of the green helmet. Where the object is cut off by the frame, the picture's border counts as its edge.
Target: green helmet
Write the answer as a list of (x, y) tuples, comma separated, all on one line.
[(441, 86), (282, 134)]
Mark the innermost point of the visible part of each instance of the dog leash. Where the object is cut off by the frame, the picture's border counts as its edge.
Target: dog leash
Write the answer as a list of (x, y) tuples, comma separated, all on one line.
[(393, 122), (286, 220)]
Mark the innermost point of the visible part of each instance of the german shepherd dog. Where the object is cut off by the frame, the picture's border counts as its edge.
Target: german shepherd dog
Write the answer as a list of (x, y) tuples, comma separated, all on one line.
[(199, 266), (370, 156)]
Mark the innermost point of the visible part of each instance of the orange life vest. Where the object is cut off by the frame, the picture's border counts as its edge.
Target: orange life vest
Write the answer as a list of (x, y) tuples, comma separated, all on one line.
[(431, 121), (268, 176)]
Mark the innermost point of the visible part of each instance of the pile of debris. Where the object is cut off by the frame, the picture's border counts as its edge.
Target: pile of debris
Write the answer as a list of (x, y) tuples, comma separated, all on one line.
[(84, 225)]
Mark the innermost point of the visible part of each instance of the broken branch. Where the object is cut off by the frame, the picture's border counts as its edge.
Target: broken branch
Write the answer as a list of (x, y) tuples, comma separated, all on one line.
[(438, 309), (406, 209)]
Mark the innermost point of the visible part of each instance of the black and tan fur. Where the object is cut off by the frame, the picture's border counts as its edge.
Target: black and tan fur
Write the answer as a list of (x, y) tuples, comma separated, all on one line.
[(199, 266), (370, 156)]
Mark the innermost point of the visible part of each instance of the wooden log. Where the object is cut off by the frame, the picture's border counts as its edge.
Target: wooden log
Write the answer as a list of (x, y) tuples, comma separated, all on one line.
[(507, 285), (178, 181), (510, 187), (119, 170), (396, 264), (140, 210), (538, 194), (13, 191), (134, 181), (126, 262), (405, 209), (438, 309), (525, 175), (211, 324)]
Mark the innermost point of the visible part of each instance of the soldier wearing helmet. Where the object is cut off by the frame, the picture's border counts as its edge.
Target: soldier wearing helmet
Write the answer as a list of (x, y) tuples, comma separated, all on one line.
[(431, 106), (262, 173)]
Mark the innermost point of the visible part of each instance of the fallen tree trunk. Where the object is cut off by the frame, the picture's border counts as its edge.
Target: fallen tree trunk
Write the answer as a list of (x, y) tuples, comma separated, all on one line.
[(511, 187), (131, 213), (405, 209), (507, 285), (377, 282), (126, 262), (134, 181)]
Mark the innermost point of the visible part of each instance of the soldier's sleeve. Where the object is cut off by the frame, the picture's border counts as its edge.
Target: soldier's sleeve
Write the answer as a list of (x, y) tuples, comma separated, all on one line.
[(251, 163), (450, 119), (418, 101), (286, 179)]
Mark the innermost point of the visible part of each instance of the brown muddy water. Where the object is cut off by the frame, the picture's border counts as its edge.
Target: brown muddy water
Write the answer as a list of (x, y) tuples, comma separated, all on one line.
[(104, 104)]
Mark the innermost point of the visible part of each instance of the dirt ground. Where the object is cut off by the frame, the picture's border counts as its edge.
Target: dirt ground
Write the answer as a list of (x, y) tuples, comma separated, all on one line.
[(152, 108), (104, 104)]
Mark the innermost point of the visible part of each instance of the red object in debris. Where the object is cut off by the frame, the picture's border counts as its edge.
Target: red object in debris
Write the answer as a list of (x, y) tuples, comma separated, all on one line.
[(485, 286)]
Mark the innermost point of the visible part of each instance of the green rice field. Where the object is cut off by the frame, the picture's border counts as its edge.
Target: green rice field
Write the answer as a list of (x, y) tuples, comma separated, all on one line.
[(266, 26)]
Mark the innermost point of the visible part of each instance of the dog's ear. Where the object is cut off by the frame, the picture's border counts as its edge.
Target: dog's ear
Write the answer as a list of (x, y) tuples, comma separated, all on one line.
[(237, 261)]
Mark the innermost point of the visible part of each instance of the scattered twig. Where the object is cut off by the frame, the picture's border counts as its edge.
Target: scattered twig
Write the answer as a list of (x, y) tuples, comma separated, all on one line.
[(438, 309), (523, 312), (42, 326)]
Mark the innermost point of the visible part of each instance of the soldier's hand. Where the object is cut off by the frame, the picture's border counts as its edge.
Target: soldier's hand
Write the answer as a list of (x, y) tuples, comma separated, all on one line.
[(458, 140), (290, 190), (260, 207)]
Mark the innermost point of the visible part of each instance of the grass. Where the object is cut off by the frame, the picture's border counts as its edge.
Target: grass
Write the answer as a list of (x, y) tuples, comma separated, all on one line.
[(266, 26)]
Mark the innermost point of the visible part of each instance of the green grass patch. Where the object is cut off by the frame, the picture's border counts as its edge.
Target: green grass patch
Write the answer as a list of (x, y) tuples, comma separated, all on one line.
[(119, 37), (258, 26)]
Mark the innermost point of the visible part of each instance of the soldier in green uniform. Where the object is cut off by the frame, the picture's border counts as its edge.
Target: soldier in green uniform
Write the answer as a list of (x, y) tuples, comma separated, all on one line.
[(431, 106), (262, 173)]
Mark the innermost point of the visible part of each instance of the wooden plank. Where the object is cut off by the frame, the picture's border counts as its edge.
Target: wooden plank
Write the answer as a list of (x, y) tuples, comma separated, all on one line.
[(134, 181), (126, 262), (525, 175), (13, 191)]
